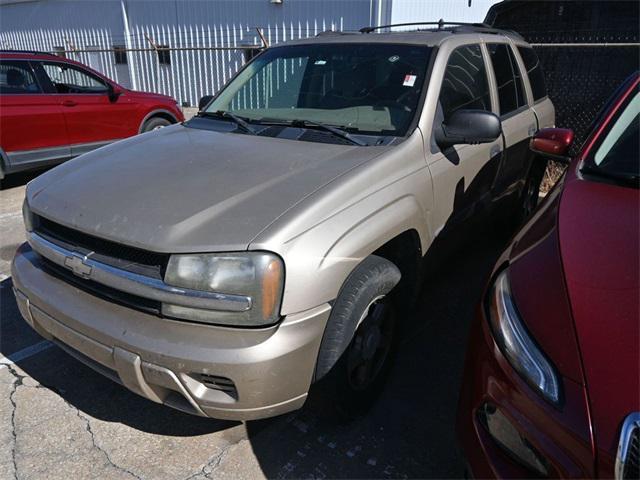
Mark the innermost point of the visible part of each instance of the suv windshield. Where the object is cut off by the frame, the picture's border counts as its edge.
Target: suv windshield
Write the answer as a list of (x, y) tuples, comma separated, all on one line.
[(361, 88), (617, 155)]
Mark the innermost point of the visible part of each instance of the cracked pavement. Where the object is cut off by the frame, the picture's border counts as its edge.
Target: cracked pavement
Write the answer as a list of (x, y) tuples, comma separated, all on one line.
[(60, 419)]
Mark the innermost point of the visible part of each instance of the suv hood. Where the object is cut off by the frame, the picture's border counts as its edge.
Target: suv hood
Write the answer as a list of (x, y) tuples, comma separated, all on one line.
[(181, 189)]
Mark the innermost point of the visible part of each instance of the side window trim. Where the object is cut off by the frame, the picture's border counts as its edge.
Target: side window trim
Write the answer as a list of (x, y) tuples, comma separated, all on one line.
[(491, 78), (524, 75), (28, 67), (515, 112)]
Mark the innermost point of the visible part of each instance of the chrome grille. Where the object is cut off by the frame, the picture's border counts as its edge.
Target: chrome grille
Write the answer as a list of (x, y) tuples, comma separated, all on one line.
[(628, 458)]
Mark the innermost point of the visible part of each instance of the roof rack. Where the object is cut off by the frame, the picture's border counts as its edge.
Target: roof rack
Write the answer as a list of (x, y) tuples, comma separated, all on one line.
[(446, 26), (30, 52), (334, 32)]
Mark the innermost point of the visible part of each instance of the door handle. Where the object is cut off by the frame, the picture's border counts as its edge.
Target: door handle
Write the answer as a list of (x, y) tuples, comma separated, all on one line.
[(495, 150), (532, 130), (69, 103)]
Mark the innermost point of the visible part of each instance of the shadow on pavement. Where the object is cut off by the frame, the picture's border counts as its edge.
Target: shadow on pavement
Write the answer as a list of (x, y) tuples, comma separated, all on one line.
[(21, 178)]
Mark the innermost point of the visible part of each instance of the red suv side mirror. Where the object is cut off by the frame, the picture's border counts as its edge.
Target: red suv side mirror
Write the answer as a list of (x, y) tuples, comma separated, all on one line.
[(114, 91), (553, 143)]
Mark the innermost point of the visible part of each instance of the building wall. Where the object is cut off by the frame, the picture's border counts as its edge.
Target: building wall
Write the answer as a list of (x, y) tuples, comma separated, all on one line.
[(66, 24), (43, 25), (100, 25), (223, 23)]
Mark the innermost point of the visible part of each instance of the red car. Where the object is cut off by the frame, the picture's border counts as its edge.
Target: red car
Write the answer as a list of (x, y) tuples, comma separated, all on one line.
[(53, 109), (552, 375)]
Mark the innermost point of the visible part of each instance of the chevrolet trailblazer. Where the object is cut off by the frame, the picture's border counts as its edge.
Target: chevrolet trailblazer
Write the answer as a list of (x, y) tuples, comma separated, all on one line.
[(224, 265)]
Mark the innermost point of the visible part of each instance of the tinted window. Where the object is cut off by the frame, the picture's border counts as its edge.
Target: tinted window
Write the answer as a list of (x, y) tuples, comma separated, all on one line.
[(17, 77), (510, 88), (70, 79), (534, 71), (365, 88), (465, 82)]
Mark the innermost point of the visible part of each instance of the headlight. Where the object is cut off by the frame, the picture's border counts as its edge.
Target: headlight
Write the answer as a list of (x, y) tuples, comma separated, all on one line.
[(257, 275), (516, 344), (27, 216)]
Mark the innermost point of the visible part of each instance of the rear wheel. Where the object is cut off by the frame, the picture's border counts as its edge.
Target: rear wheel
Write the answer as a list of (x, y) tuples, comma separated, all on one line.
[(531, 192), (155, 123), (529, 197)]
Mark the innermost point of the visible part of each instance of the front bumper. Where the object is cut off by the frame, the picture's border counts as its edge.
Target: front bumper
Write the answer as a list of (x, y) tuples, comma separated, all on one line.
[(219, 372), (557, 437)]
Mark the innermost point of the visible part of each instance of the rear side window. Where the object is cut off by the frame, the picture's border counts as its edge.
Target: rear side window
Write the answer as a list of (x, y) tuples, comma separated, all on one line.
[(508, 78), (465, 84), (17, 77), (534, 71)]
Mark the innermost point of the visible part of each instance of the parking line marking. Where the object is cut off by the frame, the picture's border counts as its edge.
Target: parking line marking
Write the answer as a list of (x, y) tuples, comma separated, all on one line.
[(25, 353)]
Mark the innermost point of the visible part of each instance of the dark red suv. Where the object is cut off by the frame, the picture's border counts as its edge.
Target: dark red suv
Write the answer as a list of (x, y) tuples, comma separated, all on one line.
[(53, 109), (552, 375)]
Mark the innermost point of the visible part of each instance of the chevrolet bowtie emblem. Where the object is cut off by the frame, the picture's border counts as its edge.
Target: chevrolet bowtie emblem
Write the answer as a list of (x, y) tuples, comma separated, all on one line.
[(77, 264)]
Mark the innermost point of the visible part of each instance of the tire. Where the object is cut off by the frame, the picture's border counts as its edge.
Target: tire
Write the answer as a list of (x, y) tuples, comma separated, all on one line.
[(358, 344), (526, 203), (155, 123), (531, 192)]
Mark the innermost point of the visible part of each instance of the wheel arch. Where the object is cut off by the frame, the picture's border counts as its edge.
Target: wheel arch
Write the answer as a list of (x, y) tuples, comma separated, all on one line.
[(160, 113), (405, 252), (323, 257), (4, 163)]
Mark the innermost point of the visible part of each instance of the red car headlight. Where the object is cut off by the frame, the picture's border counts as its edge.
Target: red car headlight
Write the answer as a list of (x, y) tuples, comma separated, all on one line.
[(516, 343)]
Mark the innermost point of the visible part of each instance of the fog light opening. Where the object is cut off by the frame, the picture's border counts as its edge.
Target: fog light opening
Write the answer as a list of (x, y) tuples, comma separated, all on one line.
[(505, 434)]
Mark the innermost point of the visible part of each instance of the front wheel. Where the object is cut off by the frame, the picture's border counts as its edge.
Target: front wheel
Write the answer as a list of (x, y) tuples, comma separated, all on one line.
[(358, 346), (155, 123)]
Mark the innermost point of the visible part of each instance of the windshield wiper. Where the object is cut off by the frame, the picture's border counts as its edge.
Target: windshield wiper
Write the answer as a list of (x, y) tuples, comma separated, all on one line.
[(241, 122), (618, 177), (338, 132)]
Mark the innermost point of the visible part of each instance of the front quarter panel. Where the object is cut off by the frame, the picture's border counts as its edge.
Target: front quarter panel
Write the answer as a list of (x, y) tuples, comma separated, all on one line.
[(324, 237)]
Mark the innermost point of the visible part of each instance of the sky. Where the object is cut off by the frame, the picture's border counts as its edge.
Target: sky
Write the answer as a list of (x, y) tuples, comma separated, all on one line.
[(433, 10)]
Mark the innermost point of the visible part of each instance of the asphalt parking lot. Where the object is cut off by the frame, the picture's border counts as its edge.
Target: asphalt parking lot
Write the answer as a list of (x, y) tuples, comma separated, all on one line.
[(59, 419)]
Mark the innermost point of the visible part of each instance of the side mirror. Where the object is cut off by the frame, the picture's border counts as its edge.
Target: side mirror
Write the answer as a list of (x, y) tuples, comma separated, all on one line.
[(468, 127), (204, 101), (553, 143), (113, 92)]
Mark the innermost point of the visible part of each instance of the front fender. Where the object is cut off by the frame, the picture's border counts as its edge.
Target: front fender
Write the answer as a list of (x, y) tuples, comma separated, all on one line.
[(326, 236), (319, 261)]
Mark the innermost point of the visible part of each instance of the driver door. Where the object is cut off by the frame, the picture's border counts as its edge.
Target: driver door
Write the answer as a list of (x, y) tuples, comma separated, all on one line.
[(463, 174), (91, 117)]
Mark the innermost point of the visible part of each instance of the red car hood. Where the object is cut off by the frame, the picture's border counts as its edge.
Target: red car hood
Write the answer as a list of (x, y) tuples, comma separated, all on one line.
[(599, 237)]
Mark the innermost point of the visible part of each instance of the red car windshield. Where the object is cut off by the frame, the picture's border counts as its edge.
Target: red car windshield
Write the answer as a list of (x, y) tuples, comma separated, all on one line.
[(616, 154)]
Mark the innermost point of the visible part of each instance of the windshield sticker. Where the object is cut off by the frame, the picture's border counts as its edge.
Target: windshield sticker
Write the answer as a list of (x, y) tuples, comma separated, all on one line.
[(394, 58), (409, 80), (320, 62)]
